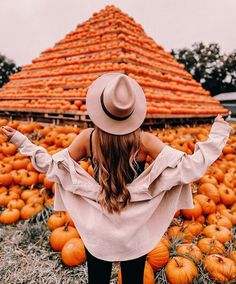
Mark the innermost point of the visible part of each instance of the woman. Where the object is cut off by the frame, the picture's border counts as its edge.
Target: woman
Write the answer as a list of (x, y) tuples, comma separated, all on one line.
[(123, 213)]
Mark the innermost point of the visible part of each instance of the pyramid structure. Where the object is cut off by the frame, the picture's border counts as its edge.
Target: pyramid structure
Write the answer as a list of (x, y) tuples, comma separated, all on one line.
[(108, 41)]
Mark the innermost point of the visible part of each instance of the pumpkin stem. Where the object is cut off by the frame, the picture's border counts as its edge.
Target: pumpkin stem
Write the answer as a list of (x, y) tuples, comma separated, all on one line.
[(177, 262), (66, 226), (220, 259), (42, 190)]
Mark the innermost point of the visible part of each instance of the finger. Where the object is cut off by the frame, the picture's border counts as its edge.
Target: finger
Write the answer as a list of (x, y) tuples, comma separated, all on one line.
[(8, 128), (5, 131)]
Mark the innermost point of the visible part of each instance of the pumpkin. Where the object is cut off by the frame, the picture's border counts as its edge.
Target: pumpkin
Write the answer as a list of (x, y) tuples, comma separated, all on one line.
[(229, 180), (190, 250), (220, 206), (5, 167), (208, 205), (73, 252), (217, 173), (194, 212), (20, 164), (193, 227), (16, 203), (91, 170), (30, 210), (201, 219), (16, 189), (30, 168), (232, 255), (36, 198), (3, 189), (179, 232), (218, 219), (221, 233), (29, 178), (69, 220), (227, 196), (50, 138), (180, 270), (56, 220), (9, 216), (26, 193), (210, 190), (84, 164), (210, 246), (207, 178), (16, 176), (7, 196), (61, 235), (47, 183), (220, 268), (5, 179), (159, 256), (230, 214), (8, 148), (68, 140)]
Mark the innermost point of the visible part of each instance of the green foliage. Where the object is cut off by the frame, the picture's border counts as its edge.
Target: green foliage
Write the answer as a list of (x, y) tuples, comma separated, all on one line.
[(209, 66), (7, 67)]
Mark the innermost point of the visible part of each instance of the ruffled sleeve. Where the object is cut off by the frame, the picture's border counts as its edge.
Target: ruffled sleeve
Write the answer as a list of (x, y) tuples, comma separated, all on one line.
[(192, 167), (40, 158)]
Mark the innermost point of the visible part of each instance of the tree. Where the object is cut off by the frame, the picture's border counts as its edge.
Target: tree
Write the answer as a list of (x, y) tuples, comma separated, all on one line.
[(229, 82), (214, 70), (7, 67)]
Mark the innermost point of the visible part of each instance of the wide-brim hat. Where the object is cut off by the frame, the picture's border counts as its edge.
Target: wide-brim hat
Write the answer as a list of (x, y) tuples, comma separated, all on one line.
[(116, 103)]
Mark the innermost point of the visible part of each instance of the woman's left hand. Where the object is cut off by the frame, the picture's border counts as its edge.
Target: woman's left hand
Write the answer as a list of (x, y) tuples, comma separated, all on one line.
[(8, 131)]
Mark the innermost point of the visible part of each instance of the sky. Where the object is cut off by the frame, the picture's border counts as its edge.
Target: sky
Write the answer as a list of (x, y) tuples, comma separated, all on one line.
[(27, 27)]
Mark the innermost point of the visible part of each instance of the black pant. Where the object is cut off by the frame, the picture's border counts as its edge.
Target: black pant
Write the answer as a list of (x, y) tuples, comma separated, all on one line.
[(99, 271)]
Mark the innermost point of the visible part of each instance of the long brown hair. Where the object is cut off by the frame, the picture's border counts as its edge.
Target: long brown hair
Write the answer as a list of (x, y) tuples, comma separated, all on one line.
[(114, 157)]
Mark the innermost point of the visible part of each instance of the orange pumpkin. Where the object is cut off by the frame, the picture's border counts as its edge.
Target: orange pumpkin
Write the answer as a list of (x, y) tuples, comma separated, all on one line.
[(220, 268), (56, 220), (73, 252), (191, 250), (221, 233), (208, 205), (210, 190), (159, 256), (194, 212), (61, 235), (180, 270), (9, 216), (210, 246)]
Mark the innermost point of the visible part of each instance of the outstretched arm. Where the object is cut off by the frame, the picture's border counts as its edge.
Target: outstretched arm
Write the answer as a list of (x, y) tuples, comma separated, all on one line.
[(192, 167), (39, 156)]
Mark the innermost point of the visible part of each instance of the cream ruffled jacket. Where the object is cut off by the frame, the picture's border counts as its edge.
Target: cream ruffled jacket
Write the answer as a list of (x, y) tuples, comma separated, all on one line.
[(162, 189)]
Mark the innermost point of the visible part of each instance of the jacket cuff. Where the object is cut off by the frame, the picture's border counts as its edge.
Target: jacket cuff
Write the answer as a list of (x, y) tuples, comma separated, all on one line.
[(18, 139), (221, 128)]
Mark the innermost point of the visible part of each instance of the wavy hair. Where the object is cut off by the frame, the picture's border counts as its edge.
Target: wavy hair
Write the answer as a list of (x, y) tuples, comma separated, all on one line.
[(114, 157)]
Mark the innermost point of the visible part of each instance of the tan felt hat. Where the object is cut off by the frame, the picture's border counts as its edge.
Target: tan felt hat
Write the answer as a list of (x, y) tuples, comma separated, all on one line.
[(116, 103)]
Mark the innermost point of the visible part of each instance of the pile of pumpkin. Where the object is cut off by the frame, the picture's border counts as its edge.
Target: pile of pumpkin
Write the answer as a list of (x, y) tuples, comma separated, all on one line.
[(45, 104), (198, 235)]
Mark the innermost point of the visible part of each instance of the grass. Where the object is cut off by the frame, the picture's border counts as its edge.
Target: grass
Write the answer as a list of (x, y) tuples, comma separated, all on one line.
[(26, 256)]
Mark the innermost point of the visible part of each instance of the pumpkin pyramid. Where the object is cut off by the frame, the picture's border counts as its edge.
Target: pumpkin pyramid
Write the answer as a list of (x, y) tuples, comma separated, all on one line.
[(109, 41)]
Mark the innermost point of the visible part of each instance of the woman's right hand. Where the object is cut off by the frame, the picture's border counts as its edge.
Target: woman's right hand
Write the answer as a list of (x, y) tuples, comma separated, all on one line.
[(219, 118), (8, 131)]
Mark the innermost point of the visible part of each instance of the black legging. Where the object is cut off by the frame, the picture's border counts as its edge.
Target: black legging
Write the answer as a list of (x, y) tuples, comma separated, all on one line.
[(99, 271)]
